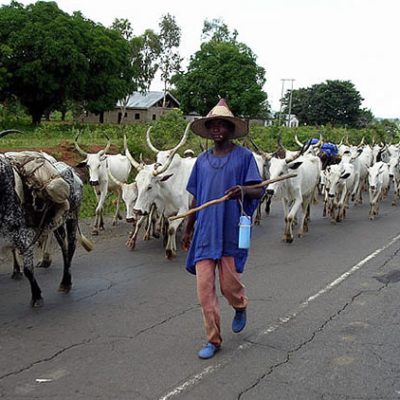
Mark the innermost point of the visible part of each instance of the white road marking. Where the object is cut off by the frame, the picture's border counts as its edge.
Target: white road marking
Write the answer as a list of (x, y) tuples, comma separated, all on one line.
[(283, 320)]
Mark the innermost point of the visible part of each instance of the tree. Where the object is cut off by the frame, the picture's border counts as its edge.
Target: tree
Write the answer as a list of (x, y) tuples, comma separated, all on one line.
[(51, 57), (170, 60), (335, 102), (222, 68), (144, 52)]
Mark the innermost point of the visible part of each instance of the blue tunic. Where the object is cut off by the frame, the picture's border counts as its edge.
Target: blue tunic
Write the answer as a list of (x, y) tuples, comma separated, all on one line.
[(217, 227)]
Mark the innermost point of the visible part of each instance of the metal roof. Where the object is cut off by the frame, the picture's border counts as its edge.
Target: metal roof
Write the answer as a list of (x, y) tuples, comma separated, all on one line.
[(145, 100)]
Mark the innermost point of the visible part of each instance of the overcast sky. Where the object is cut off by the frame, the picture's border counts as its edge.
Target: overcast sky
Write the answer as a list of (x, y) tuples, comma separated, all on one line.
[(306, 40)]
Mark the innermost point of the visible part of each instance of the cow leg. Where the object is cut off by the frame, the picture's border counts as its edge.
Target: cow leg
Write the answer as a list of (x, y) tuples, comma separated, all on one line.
[(170, 250), (149, 223), (36, 300), (60, 235), (99, 222), (117, 214), (45, 256), (291, 218), (17, 274), (131, 242), (257, 218)]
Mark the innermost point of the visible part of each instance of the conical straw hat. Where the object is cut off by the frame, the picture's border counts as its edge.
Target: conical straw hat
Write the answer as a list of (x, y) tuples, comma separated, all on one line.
[(220, 111)]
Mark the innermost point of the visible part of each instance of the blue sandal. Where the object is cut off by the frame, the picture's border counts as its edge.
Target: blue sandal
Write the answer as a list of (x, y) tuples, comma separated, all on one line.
[(239, 321), (208, 351)]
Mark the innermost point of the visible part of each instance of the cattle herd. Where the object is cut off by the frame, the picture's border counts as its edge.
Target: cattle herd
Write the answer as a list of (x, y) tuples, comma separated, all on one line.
[(30, 214)]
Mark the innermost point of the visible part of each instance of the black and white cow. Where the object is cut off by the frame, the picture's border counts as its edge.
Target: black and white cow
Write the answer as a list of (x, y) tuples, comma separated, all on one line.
[(21, 226)]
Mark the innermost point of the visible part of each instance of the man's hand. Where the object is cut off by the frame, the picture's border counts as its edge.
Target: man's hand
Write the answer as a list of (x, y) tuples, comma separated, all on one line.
[(235, 192)]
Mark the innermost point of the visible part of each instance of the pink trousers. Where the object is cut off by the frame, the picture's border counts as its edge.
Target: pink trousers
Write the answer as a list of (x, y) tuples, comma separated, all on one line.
[(231, 288)]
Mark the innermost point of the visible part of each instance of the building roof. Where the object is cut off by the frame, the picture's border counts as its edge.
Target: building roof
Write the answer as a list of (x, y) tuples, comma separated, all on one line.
[(146, 100)]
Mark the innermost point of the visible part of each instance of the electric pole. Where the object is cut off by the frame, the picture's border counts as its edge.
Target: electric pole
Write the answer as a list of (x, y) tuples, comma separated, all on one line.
[(290, 100)]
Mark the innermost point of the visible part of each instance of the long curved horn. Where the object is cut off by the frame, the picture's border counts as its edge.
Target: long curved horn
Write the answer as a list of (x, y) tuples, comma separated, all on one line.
[(113, 178), (134, 163), (104, 151), (298, 141), (184, 138), (341, 142), (4, 133), (362, 142), (80, 151), (149, 141), (255, 146)]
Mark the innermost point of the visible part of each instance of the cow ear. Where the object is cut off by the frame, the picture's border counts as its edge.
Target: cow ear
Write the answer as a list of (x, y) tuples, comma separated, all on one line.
[(295, 165), (165, 177), (345, 176), (82, 164)]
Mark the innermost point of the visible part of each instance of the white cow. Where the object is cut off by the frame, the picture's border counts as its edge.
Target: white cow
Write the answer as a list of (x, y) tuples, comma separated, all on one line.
[(340, 181), (378, 178), (98, 164), (297, 191), (165, 186), (129, 196), (394, 174)]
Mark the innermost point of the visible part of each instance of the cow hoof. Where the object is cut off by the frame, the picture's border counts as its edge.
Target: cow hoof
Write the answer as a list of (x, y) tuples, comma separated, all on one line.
[(170, 255), (156, 235), (289, 240), (113, 223), (37, 303), (64, 288), (131, 243), (394, 204), (102, 228), (16, 276), (43, 264)]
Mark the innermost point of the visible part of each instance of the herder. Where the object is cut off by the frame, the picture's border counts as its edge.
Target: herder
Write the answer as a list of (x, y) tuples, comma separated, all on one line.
[(225, 169)]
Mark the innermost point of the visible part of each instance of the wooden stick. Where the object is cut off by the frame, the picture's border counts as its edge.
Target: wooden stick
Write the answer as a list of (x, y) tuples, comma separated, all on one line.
[(226, 197)]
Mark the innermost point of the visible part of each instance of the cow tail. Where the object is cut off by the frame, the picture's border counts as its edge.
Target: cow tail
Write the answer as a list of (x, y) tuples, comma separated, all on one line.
[(85, 242)]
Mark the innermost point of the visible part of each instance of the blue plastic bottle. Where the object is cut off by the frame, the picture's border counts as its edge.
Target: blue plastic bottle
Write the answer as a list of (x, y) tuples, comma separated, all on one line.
[(244, 232)]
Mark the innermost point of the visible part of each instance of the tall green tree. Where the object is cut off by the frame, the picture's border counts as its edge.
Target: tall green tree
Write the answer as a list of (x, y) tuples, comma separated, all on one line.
[(335, 102), (222, 68), (51, 57), (170, 60)]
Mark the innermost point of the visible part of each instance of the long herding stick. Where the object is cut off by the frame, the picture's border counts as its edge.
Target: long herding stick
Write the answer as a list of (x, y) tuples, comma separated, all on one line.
[(226, 197)]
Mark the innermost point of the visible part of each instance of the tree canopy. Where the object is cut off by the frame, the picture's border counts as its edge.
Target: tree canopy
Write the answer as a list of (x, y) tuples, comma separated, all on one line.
[(48, 57), (224, 68), (335, 102)]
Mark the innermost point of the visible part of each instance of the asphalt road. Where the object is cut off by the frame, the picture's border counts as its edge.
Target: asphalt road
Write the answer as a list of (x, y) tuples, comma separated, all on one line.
[(323, 320)]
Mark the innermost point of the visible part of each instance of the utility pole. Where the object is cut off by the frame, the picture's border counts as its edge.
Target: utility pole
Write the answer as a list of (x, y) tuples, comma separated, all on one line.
[(290, 100)]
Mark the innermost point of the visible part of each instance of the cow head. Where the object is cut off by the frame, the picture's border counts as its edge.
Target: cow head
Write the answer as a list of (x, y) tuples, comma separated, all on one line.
[(95, 162), (149, 188)]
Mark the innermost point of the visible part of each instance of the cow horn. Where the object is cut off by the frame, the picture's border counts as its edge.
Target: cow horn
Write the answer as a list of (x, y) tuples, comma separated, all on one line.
[(113, 178), (104, 151), (80, 151), (134, 163), (362, 142), (184, 138), (149, 141), (255, 146), (298, 141), (4, 133)]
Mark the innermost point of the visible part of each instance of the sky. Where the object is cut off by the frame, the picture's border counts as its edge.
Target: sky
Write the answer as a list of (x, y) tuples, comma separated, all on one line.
[(310, 41)]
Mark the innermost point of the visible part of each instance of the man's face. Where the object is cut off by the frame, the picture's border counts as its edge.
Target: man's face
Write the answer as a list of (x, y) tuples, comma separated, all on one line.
[(219, 130)]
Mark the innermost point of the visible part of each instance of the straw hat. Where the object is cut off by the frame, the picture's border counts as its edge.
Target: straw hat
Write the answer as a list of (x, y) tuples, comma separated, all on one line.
[(220, 111)]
